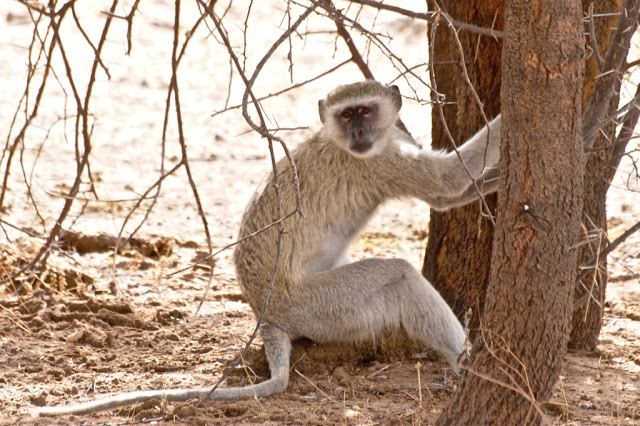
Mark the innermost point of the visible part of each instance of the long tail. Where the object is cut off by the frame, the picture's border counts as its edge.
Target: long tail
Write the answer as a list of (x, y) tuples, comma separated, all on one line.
[(259, 390), (277, 347)]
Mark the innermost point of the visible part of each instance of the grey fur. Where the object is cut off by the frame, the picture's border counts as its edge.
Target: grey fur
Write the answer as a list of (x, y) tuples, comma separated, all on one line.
[(318, 293)]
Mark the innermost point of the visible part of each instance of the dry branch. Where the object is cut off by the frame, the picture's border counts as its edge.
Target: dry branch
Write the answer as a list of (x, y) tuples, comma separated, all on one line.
[(262, 130), (437, 99), (601, 255), (431, 17), (612, 70), (82, 125)]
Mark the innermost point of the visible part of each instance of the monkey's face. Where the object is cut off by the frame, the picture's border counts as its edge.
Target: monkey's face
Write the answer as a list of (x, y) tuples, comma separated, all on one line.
[(361, 128), (359, 117), (357, 123)]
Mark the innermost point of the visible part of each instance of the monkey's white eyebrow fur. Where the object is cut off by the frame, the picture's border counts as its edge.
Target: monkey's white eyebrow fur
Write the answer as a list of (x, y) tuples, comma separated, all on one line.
[(360, 100)]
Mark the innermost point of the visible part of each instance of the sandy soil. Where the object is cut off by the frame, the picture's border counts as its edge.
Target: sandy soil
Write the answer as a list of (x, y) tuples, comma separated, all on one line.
[(101, 325)]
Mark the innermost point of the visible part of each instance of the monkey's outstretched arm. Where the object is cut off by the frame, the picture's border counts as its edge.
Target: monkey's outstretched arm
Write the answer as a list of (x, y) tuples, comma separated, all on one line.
[(441, 178), (487, 184), (482, 150)]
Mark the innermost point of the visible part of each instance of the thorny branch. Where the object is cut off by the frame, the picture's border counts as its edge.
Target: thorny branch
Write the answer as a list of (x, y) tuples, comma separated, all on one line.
[(612, 70), (398, 62), (158, 184), (29, 117), (288, 89), (601, 255), (19, 139), (348, 40), (129, 19), (183, 145)]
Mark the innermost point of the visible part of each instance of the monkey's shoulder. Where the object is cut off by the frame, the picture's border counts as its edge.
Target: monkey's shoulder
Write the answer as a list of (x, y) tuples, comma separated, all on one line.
[(316, 155)]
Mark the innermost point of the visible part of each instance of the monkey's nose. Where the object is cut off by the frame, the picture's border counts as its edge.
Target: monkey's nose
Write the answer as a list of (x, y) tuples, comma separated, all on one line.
[(356, 134)]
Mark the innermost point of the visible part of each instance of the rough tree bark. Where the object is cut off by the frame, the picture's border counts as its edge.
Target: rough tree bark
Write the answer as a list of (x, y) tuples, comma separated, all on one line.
[(587, 318), (528, 308), (457, 257), (459, 246)]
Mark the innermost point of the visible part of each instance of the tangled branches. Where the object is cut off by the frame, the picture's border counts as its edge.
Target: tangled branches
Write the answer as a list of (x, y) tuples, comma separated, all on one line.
[(77, 55)]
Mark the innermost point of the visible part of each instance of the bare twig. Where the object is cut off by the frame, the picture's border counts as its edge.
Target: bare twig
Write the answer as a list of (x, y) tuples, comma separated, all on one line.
[(438, 102), (235, 243), (627, 131), (592, 39), (613, 67), (431, 17), (292, 87), (88, 40), (34, 112), (82, 125), (517, 375), (129, 19), (600, 255), (396, 61), (245, 42), (262, 130), (629, 106), (158, 184), (25, 98), (348, 40), (326, 395), (183, 144)]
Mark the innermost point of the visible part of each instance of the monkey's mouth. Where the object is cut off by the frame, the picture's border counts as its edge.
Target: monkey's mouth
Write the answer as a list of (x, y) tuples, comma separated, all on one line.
[(360, 147)]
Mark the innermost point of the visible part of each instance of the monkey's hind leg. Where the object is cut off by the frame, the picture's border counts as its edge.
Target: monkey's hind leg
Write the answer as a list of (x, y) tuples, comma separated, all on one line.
[(357, 302)]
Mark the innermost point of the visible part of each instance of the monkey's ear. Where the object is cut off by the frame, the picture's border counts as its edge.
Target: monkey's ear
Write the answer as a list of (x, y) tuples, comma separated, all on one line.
[(321, 110), (397, 98)]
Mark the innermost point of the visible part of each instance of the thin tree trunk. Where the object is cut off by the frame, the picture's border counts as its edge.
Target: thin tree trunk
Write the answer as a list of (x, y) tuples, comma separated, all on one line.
[(528, 308), (590, 291), (459, 247)]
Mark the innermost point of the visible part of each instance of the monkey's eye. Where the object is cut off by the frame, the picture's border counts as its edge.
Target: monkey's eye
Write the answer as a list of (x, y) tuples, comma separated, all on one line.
[(346, 114), (364, 111)]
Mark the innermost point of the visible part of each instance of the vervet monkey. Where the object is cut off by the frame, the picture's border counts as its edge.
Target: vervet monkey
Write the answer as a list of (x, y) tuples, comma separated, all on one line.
[(355, 162)]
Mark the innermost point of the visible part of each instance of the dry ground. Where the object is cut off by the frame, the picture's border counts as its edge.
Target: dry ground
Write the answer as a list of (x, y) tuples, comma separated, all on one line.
[(100, 325)]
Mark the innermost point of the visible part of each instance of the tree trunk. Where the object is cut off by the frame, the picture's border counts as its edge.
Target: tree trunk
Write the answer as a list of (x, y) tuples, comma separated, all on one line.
[(528, 308), (590, 291), (458, 251), (459, 246)]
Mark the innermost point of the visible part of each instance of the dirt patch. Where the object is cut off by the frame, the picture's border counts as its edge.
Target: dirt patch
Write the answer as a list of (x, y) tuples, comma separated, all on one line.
[(82, 244), (58, 349), (74, 349)]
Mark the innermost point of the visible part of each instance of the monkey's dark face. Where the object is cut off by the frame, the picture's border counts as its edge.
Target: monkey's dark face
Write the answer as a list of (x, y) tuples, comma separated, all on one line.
[(360, 117), (357, 123)]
